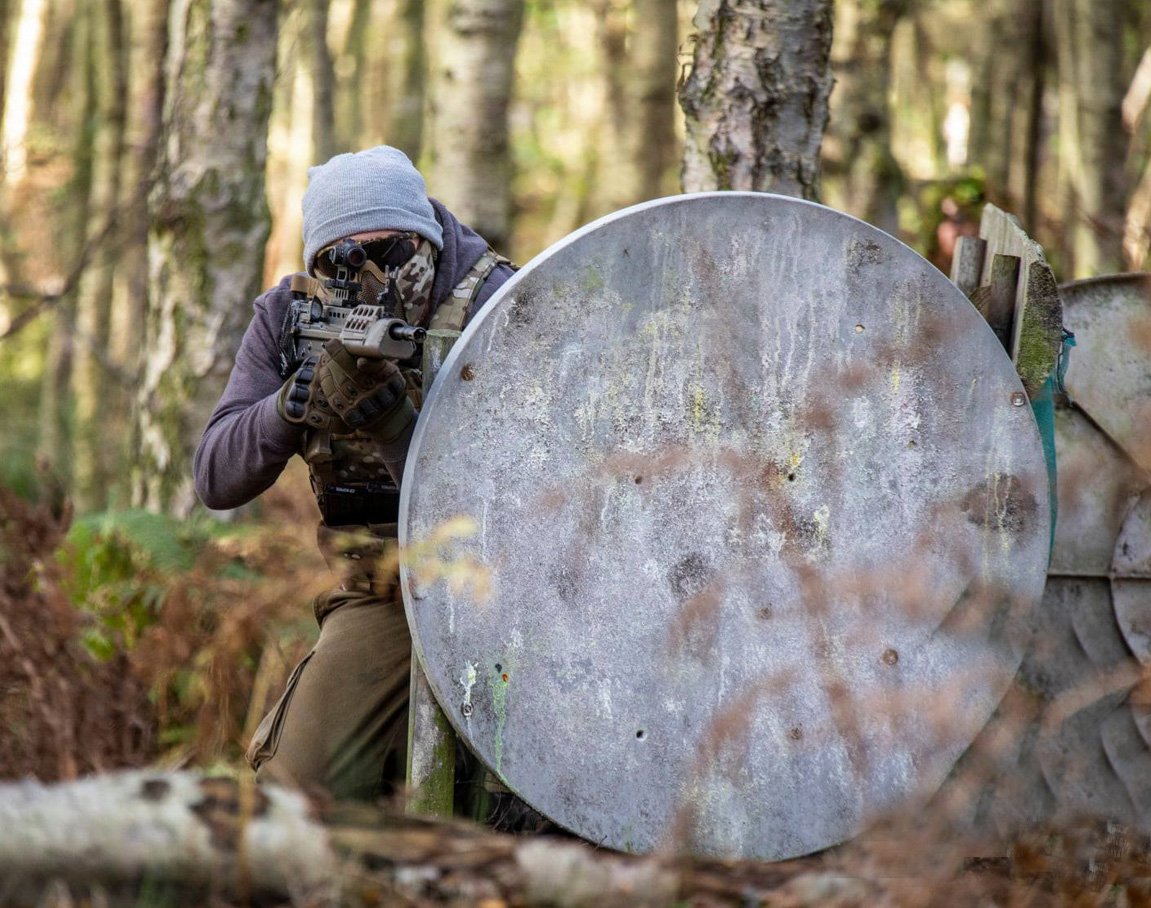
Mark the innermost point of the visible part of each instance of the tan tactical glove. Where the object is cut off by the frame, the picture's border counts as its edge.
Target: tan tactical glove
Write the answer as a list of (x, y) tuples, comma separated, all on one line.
[(367, 394), (302, 402)]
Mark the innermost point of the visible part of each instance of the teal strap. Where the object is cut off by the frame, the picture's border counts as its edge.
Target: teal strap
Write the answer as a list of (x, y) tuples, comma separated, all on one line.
[(1043, 406)]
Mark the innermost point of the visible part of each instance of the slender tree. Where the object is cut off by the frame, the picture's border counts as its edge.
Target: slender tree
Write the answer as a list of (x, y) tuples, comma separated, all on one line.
[(351, 76), (407, 81), (868, 172), (756, 99), (97, 418), (652, 143), (209, 227), (7, 8), (54, 442), (638, 44), (324, 141), (148, 33), (18, 87), (1007, 103), (473, 167), (1092, 141)]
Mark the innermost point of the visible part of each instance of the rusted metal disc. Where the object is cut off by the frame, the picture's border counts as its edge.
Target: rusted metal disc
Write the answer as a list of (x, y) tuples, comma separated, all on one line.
[(1110, 371), (1131, 579), (1081, 736), (760, 511)]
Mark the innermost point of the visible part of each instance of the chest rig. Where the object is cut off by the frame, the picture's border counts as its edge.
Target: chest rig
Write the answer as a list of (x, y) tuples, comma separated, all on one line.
[(348, 472)]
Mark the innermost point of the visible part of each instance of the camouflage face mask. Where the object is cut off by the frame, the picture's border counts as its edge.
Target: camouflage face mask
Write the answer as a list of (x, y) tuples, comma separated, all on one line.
[(412, 279), (414, 284)]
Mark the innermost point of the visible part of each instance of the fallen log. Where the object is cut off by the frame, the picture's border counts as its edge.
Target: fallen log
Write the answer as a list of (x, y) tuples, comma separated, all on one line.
[(184, 839), (181, 839)]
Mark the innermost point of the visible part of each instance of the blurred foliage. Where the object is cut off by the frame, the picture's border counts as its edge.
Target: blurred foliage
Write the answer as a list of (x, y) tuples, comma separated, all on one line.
[(117, 567), (205, 618)]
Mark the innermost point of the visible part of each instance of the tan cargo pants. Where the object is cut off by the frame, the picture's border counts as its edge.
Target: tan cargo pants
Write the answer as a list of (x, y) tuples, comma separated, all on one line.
[(342, 722)]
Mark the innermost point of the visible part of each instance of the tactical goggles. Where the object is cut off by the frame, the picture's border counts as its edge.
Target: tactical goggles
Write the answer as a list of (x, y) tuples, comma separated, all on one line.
[(386, 252)]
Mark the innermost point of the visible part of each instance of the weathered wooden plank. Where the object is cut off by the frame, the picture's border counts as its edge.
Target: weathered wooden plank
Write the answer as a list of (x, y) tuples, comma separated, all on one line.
[(1037, 330), (431, 751), (431, 740), (995, 300), (967, 264)]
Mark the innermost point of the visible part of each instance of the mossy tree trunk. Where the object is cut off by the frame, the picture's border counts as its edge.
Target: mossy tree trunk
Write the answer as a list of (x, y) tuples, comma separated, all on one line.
[(473, 167), (209, 228), (755, 101)]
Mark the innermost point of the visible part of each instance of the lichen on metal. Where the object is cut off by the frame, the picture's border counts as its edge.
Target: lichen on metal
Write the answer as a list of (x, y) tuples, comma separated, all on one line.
[(762, 523)]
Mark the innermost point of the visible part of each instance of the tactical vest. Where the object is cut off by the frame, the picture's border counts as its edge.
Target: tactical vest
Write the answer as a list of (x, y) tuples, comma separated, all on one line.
[(348, 473)]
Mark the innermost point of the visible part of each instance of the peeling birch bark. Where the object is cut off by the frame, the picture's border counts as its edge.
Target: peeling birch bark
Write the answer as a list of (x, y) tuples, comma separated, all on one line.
[(201, 835), (755, 101), (180, 839)]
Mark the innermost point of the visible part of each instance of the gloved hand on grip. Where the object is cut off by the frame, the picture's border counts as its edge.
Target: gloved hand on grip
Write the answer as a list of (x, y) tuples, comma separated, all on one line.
[(302, 402), (367, 394)]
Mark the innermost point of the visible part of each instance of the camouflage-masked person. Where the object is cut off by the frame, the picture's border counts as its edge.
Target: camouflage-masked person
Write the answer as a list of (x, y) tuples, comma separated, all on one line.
[(342, 722)]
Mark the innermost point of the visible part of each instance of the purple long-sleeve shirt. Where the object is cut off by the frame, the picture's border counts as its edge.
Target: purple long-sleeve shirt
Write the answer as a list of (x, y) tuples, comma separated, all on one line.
[(246, 443)]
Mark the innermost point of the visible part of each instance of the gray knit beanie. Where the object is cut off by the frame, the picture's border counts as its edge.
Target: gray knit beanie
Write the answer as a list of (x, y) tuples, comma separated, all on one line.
[(376, 189)]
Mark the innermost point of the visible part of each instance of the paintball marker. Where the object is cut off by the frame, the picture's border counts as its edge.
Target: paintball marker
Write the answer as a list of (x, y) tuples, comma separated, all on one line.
[(365, 328)]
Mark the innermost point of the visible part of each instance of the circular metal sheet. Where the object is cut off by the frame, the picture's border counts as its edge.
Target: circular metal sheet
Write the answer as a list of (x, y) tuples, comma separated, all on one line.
[(1110, 370), (1097, 483), (759, 520), (1131, 579)]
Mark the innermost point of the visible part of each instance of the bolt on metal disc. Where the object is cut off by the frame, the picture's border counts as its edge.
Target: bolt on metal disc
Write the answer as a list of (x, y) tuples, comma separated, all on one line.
[(723, 526)]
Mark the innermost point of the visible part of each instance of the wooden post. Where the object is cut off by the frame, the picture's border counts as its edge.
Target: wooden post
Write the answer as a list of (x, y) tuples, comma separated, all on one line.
[(967, 264), (431, 740), (1037, 322), (995, 300)]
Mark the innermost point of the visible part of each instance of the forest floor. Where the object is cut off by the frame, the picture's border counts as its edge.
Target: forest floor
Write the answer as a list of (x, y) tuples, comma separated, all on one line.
[(115, 636)]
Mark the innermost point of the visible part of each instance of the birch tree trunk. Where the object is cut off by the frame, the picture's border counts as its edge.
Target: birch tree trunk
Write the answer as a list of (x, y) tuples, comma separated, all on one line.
[(473, 167), (1092, 140), (756, 99), (144, 838), (209, 227), (18, 88), (97, 389)]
